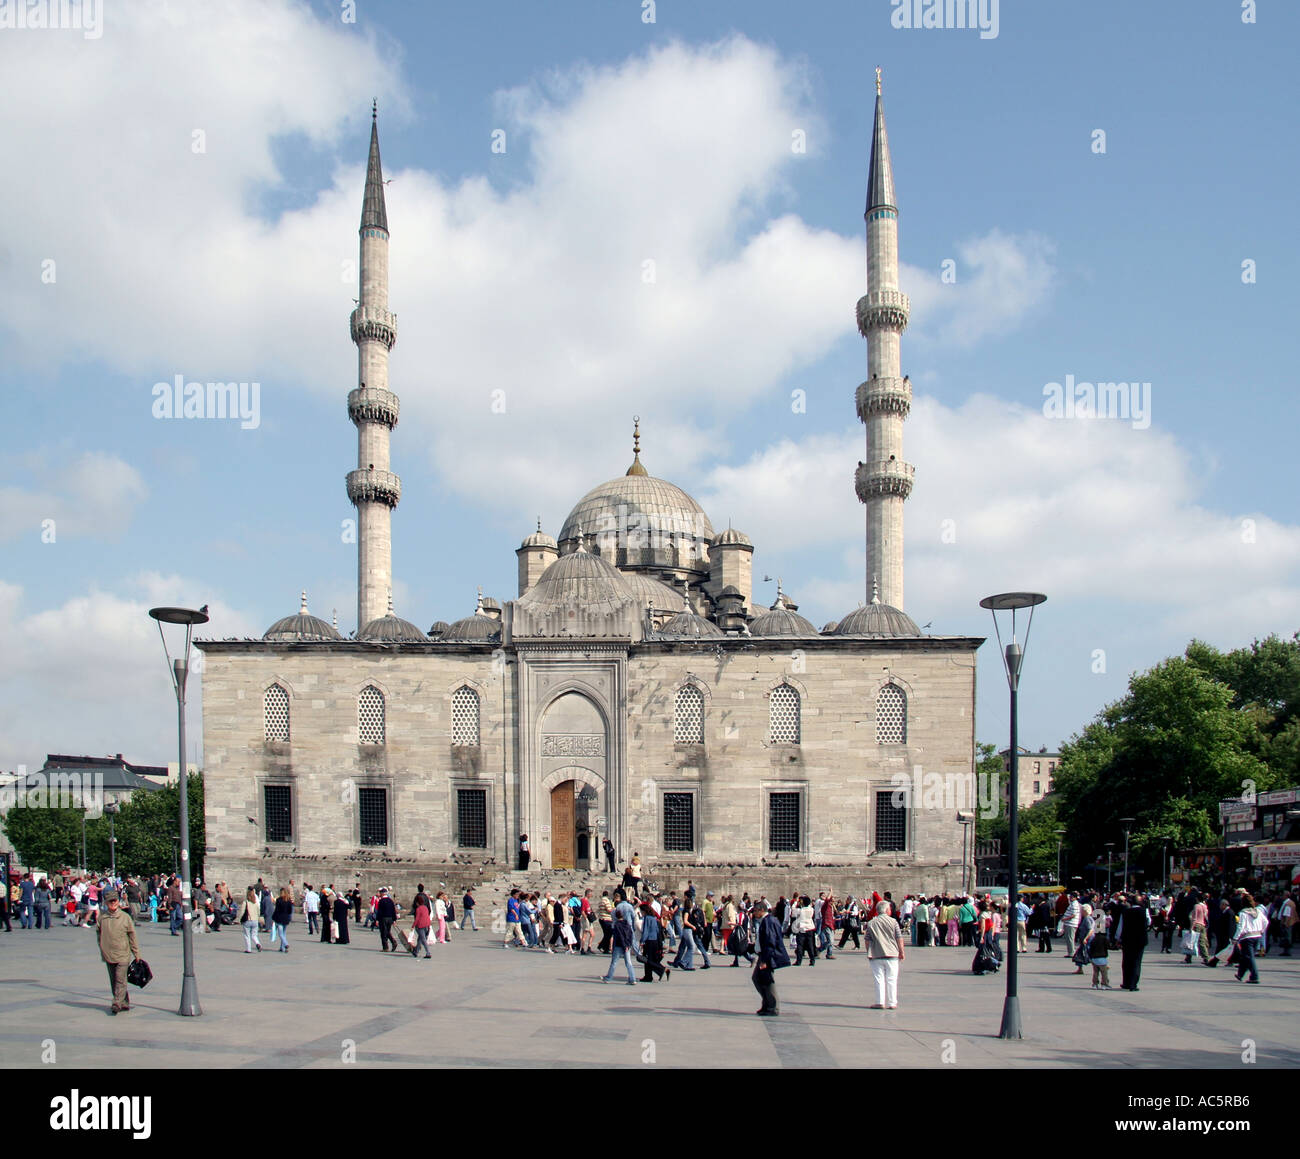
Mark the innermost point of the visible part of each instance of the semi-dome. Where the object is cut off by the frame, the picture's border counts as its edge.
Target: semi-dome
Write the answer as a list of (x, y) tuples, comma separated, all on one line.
[(637, 520), (781, 621), (645, 591), (690, 625), (303, 626), (438, 629), (579, 578), (877, 619)]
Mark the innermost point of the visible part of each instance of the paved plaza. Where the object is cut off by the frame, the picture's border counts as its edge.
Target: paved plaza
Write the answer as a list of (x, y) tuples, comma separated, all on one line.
[(477, 1005)]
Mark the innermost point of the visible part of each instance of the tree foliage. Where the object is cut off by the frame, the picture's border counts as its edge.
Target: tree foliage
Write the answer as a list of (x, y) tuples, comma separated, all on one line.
[(145, 826), (1190, 732)]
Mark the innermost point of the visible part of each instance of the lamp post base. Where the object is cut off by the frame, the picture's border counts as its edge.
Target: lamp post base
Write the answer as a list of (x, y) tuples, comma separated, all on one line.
[(190, 1007), (1011, 1018)]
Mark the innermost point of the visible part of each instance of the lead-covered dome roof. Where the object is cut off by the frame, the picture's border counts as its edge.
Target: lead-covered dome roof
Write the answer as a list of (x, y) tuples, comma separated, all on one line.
[(877, 619), (781, 621), (302, 626)]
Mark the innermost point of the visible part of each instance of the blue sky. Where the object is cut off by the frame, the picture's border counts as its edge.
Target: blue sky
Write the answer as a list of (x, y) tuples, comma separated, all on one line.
[(521, 272)]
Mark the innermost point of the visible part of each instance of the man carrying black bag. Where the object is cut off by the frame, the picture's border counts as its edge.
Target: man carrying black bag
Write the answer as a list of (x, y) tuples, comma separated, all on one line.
[(772, 956), (118, 948)]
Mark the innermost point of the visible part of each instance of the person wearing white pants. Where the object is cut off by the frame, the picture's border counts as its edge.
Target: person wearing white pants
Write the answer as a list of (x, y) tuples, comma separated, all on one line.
[(885, 949)]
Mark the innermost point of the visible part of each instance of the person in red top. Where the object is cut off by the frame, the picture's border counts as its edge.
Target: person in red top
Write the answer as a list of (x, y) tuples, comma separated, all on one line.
[(423, 920), (826, 924)]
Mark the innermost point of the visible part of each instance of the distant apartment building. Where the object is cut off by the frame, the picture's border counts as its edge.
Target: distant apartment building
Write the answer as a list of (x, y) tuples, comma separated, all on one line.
[(1037, 774)]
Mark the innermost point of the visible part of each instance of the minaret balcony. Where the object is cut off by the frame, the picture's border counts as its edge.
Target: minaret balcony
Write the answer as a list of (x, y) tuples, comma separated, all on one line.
[(371, 486), (370, 404), (882, 310), (884, 396), (371, 324), (884, 477)]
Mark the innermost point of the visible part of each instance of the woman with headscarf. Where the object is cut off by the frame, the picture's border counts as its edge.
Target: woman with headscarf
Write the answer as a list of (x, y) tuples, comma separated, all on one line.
[(341, 919), (326, 913)]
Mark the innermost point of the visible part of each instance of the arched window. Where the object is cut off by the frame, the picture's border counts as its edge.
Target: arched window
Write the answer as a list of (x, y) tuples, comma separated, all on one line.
[(275, 712), (688, 727), (464, 716), (370, 716), (784, 713), (891, 715)]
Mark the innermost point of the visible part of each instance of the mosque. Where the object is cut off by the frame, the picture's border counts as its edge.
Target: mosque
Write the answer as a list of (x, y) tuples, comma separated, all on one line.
[(631, 691)]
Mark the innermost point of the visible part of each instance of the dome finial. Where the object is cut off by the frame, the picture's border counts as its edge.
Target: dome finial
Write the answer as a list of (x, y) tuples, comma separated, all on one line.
[(582, 539), (875, 590), (478, 605), (636, 468), (334, 613), (539, 523), (302, 611), (390, 601)]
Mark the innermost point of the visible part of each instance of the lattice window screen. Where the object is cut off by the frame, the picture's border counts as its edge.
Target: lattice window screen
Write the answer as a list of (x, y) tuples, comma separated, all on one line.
[(464, 717), (275, 711), (784, 713), (370, 716), (891, 715), (689, 728)]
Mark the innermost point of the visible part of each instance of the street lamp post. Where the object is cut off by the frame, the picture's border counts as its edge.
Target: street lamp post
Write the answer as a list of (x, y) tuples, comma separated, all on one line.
[(1060, 838), (1127, 822), (966, 820), (1012, 658), (111, 809), (84, 809), (180, 670), (1110, 848)]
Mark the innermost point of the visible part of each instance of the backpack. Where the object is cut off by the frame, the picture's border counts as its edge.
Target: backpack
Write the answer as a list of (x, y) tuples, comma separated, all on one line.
[(697, 920)]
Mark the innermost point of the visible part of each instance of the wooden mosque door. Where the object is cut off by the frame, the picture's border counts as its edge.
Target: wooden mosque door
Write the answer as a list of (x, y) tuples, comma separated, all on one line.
[(563, 853)]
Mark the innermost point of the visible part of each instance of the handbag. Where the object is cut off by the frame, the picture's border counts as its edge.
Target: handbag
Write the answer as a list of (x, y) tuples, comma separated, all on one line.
[(334, 930), (138, 973), (567, 934)]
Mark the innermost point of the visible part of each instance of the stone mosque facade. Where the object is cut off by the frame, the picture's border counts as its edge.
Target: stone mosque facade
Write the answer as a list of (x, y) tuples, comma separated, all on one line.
[(631, 689)]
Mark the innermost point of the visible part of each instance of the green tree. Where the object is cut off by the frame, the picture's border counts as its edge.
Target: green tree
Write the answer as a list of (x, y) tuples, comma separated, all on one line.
[(1165, 754), (991, 779)]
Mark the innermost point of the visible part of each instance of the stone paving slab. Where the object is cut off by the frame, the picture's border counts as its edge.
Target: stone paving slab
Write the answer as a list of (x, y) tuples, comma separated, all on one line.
[(479, 1006)]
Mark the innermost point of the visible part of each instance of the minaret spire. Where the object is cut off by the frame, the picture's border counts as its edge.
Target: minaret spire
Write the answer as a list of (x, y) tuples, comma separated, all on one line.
[(372, 487), (884, 481)]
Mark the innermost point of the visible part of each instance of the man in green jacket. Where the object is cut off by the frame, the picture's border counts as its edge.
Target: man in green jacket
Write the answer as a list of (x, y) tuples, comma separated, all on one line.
[(118, 947)]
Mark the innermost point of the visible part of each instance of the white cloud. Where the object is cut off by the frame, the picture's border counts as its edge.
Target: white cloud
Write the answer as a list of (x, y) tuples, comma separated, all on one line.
[(1086, 510), (92, 495), (90, 677)]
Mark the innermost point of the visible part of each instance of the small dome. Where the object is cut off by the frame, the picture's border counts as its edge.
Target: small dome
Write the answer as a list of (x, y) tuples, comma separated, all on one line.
[(577, 578), (780, 621), (829, 629), (438, 629), (877, 619), (472, 629), (690, 625), (301, 627), (731, 592), (731, 535), (539, 538), (391, 629)]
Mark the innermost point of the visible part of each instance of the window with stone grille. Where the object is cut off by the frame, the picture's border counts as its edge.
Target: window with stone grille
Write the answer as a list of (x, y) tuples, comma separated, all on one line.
[(471, 816), (275, 712), (372, 808), (783, 822), (279, 812), (891, 823), (370, 716), (689, 726), (464, 716), (891, 715), (679, 822), (784, 714)]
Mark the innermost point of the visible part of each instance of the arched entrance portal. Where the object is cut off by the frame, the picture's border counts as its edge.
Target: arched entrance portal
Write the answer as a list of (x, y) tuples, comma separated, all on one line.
[(574, 837)]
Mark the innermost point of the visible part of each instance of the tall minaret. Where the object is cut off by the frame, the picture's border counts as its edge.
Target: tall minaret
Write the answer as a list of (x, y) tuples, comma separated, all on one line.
[(372, 487), (884, 481)]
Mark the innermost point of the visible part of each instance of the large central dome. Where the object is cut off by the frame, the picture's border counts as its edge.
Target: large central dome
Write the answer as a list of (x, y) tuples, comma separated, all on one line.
[(639, 522)]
